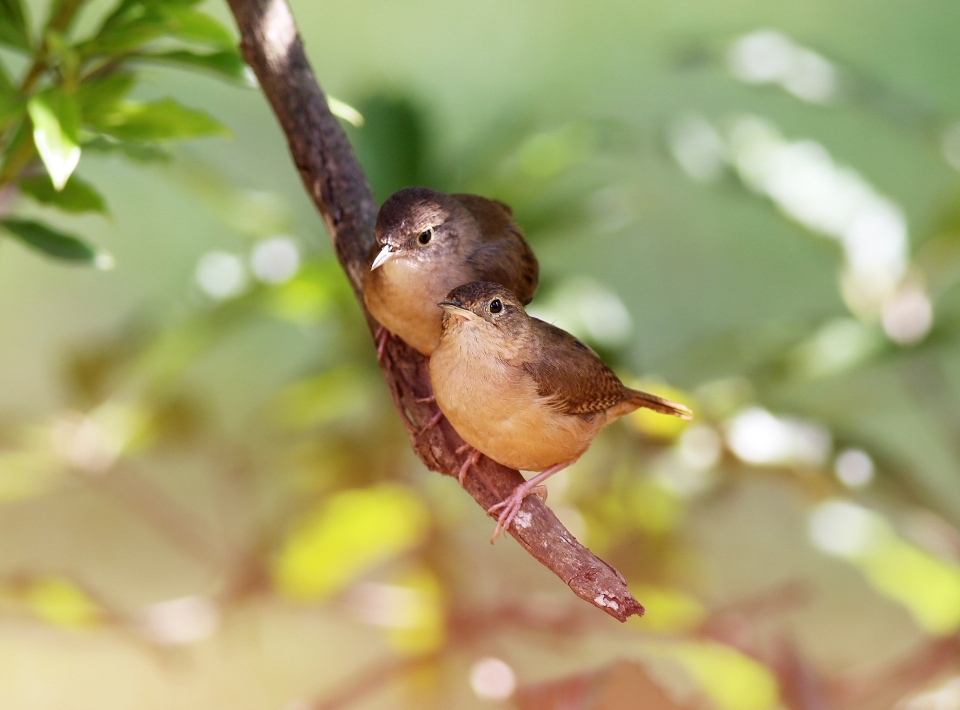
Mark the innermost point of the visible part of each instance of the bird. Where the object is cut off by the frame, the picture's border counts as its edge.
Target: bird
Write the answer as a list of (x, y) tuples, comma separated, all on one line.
[(523, 392), (428, 243)]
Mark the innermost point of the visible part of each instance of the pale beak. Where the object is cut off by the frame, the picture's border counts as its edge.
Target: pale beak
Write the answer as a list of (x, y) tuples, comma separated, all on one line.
[(455, 308), (388, 253)]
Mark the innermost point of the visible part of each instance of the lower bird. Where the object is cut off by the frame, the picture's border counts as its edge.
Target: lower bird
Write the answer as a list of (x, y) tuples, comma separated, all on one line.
[(521, 391)]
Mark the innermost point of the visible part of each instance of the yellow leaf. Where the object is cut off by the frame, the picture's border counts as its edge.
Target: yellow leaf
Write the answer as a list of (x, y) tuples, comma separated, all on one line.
[(731, 679), (25, 474), (352, 531), (60, 602), (928, 587), (423, 629), (668, 609)]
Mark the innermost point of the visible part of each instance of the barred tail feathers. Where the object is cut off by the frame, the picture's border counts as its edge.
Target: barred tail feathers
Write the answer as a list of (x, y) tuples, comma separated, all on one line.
[(659, 404)]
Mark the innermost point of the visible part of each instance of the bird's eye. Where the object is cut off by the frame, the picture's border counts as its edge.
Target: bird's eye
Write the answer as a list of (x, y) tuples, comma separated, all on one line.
[(496, 306), (425, 236)]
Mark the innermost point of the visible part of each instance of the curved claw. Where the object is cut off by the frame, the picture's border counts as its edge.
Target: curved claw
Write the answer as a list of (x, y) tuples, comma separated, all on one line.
[(511, 506)]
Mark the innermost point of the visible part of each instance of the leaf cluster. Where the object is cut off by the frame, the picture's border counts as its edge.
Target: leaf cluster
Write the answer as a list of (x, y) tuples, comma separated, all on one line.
[(74, 96)]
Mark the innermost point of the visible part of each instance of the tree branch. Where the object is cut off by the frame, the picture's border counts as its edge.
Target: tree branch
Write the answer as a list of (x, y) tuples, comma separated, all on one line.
[(335, 182)]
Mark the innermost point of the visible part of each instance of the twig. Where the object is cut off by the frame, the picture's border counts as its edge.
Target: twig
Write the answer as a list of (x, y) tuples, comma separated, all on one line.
[(335, 181)]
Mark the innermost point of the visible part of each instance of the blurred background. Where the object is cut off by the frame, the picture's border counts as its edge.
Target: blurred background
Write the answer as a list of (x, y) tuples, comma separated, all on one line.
[(207, 498)]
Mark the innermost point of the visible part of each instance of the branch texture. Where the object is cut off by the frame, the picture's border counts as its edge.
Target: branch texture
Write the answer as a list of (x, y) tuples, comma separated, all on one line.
[(335, 181)]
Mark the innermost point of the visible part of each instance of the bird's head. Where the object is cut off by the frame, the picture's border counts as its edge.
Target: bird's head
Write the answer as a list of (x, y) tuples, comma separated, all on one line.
[(488, 305), (419, 224)]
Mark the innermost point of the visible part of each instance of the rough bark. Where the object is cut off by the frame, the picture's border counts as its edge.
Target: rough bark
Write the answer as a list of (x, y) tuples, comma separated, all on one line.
[(335, 181)]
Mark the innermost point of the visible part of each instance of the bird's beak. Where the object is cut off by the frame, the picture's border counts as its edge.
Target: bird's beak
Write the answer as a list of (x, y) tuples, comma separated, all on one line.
[(388, 253), (455, 308)]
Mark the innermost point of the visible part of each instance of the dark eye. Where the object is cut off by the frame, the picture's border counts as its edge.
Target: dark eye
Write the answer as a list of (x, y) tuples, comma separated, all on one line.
[(496, 306), (425, 236)]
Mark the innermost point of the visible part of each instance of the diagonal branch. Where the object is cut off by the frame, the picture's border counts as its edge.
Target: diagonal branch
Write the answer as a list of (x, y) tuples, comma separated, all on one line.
[(334, 180)]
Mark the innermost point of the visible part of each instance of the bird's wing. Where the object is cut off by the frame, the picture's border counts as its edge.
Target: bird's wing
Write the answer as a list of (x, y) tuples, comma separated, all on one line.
[(572, 375), (503, 256)]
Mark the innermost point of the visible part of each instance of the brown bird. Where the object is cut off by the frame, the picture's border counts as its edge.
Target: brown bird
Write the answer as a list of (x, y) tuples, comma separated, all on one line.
[(521, 391), (429, 242)]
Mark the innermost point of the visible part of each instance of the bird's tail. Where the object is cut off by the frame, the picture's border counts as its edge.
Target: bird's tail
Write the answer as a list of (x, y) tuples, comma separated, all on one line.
[(659, 404)]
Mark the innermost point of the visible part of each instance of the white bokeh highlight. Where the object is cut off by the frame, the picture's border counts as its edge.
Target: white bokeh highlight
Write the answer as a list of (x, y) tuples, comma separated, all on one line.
[(844, 529), (854, 468), (587, 308), (492, 679), (770, 57), (221, 275), (758, 437), (180, 621), (275, 260)]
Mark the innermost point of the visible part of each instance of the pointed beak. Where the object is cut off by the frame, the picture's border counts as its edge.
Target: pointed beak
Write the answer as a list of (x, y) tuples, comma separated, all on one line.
[(388, 253), (455, 308)]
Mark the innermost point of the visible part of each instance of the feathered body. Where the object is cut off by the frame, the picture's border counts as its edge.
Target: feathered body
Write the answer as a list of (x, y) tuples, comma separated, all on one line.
[(521, 391)]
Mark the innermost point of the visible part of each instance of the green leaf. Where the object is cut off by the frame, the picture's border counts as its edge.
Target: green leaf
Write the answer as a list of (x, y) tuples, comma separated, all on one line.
[(11, 100), (195, 26), (56, 124), (11, 107), (13, 25), (53, 243), (76, 196), (228, 63), (159, 121), (146, 22), (141, 152), (126, 37), (129, 10), (100, 97)]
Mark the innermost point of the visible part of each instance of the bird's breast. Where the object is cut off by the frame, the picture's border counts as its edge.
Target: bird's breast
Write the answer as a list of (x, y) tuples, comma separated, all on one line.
[(403, 295), (495, 407)]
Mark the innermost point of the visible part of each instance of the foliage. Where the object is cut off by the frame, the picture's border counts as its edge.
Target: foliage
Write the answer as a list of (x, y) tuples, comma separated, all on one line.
[(73, 96)]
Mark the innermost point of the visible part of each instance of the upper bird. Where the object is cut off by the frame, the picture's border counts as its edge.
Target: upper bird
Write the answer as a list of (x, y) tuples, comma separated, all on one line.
[(521, 391), (428, 243)]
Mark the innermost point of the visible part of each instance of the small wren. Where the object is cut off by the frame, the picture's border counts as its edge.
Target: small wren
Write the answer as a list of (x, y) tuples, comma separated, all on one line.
[(521, 391), (429, 242)]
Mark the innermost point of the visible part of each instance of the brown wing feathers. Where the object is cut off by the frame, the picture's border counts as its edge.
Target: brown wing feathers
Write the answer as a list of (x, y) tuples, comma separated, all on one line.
[(572, 375), (578, 382), (505, 258)]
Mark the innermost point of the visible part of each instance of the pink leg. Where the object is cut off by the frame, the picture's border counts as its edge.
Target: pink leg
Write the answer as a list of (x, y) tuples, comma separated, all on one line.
[(431, 424), (381, 337), (511, 504), (437, 418), (471, 459)]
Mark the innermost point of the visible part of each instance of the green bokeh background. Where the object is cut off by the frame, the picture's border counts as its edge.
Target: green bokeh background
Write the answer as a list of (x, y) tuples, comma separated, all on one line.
[(717, 282)]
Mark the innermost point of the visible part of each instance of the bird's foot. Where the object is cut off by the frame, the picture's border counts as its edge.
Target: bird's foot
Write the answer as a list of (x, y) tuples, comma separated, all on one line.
[(510, 506), (381, 337), (470, 461)]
